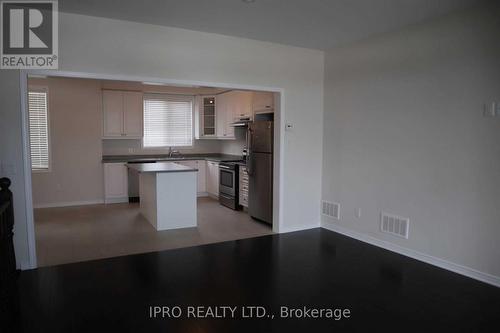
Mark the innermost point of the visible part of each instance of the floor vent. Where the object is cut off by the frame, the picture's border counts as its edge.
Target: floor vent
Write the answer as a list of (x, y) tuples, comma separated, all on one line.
[(394, 225), (331, 209)]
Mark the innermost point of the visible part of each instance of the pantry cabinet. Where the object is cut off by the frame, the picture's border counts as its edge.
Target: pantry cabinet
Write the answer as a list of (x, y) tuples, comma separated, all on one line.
[(122, 114)]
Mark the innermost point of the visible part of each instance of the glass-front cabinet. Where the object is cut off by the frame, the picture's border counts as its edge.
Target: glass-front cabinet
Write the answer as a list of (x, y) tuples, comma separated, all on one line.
[(208, 116)]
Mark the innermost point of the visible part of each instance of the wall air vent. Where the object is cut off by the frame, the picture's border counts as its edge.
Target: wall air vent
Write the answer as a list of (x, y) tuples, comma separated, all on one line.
[(330, 209), (394, 225)]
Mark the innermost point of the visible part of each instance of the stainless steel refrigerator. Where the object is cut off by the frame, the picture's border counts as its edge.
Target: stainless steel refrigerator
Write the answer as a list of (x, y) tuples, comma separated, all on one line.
[(260, 170)]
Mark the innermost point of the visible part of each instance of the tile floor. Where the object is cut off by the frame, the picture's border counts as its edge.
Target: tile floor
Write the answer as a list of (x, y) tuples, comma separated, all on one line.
[(74, 234)]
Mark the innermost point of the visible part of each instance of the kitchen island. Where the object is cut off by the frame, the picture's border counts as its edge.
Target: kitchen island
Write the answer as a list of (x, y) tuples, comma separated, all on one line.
[(167, 194)]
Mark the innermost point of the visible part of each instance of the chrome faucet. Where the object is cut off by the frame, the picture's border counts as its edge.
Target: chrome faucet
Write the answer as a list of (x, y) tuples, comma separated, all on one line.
[(172, 152)]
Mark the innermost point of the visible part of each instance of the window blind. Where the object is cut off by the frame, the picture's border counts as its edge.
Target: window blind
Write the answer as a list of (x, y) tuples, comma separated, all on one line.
[(38, 127), (168, 120)]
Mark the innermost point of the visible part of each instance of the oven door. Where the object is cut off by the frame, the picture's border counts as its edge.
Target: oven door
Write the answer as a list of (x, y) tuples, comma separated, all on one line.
[(227, 182)]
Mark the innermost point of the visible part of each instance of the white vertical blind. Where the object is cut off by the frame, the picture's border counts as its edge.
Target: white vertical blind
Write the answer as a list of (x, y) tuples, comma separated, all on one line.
[(168, 120), (39, 131)]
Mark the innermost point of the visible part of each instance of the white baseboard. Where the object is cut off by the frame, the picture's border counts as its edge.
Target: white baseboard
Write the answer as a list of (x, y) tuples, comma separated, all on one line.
[(299, 228), (116, 200), (93, 202), (24, 265), (69, 204), (445, 264)]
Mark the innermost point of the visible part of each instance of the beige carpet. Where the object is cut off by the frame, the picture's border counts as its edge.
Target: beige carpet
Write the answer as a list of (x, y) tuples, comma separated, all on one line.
[(73, 234)]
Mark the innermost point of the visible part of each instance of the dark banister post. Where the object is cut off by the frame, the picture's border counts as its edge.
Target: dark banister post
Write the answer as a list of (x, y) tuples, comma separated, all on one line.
[(7, 255), (9, 299)]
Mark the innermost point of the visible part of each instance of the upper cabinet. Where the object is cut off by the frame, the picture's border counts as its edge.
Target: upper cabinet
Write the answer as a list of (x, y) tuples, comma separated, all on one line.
[(262, 101), (123, 114), (112, 106), (225, 105), (206, 116), (215, 114), (133, 107), (242, 107)]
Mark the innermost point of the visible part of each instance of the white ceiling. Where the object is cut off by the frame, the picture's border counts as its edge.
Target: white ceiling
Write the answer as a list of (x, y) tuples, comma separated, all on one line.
[(317, 24)]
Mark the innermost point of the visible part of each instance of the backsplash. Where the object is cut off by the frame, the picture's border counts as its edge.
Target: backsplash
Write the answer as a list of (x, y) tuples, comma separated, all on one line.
[(234, 147), (134, 147)]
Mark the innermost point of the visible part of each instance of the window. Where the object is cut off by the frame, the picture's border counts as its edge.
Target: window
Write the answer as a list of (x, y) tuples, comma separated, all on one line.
[(39, 129), (168, 120)]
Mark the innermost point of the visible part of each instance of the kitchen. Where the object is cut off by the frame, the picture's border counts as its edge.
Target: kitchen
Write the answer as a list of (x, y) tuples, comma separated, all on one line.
[(223, 137)]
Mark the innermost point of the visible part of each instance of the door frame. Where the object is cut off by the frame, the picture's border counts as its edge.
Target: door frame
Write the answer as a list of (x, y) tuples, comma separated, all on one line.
[(279, 137)]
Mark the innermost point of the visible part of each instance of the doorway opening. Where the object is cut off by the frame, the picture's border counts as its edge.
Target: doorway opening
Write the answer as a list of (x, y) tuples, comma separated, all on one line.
[(83, 133)]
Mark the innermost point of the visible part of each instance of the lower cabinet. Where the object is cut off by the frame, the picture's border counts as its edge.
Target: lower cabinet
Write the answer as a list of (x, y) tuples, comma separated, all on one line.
[(213, 178), (115, 182), (116, 179), (243, 192), (201, 178)]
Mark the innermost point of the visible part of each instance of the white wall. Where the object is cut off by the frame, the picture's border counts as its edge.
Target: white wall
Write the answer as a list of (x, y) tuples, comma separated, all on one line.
[(404, 132), (75, 128), (98, 45)]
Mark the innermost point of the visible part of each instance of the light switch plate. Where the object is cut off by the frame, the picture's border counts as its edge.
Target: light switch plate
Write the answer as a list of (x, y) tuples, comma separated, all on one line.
[(489, 109)]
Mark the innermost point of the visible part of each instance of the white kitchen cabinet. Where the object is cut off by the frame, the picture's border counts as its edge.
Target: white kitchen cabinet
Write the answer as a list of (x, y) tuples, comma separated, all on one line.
[(262, 101), (231, 106), (215, 114), (213, 178), (201, 176), (242, 107), (112, 106), (133, 114), (224, 116), (122, 114), (205, 117), (243, 186), (115, 182)]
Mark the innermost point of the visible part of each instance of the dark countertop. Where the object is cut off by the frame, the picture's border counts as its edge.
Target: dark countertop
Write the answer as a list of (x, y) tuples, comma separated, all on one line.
[(164, 157), (160, 167)]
